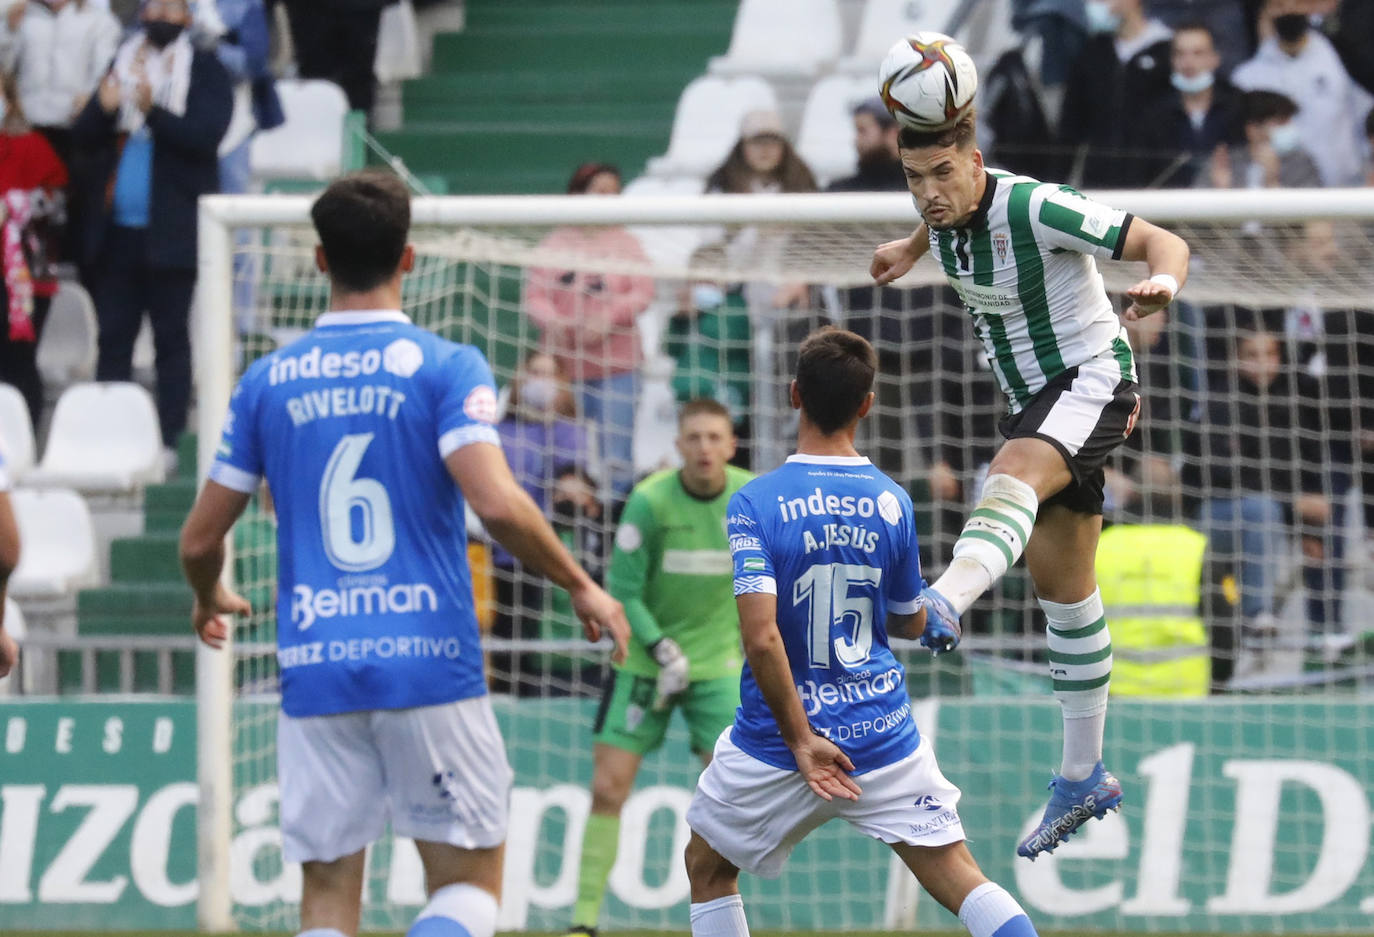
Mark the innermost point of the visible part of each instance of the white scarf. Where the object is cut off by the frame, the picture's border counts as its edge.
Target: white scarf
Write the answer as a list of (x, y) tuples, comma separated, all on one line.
[(168, 72)]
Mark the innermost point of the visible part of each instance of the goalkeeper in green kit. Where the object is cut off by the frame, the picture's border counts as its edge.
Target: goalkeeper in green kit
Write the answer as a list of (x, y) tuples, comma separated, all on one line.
[(672, 570)]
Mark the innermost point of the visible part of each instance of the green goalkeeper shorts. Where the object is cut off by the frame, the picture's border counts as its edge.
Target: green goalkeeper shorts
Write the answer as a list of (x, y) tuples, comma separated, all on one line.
[(627, 718)]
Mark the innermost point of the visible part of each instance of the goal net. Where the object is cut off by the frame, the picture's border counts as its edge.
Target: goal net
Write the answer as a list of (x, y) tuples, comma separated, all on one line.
[(1242, 732)]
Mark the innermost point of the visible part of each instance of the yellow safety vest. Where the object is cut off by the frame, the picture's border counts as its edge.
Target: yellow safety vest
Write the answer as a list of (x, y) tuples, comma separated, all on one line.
[(1151, 581)]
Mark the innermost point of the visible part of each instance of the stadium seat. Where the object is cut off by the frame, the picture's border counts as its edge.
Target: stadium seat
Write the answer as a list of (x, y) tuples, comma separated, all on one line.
[(103, 438), (58, 555), (706, 124), (669, 245), (310, 144), (886, 21), (782, 38), (16, 433), (826, 138), (647, 185), (67, 351)]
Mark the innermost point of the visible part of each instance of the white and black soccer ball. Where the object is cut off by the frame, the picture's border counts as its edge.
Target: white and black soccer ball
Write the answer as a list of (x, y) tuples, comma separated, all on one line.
[(927, 81)]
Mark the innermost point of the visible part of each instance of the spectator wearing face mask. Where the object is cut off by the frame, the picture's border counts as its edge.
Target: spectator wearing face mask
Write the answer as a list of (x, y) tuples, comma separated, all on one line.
[(1273, 154), (155, 126), (1200, 112), (1295, 60)]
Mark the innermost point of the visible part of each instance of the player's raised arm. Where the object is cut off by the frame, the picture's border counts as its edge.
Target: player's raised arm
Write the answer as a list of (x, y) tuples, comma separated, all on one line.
[(819, 760), (511, 516), (894, 258), (1167, 255)]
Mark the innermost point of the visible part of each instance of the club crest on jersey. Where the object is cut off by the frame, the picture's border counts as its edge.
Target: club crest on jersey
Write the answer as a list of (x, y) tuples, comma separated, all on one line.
[(480, 404), (1001, 242)]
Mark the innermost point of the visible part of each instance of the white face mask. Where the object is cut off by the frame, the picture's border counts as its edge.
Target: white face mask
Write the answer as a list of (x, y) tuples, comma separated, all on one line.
[(1285, 138), (1199, 82), (538, 393), (707, 296), (1101, 19)]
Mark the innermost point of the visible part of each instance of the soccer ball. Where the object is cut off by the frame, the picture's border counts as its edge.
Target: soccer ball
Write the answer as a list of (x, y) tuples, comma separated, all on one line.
[(927, 81)]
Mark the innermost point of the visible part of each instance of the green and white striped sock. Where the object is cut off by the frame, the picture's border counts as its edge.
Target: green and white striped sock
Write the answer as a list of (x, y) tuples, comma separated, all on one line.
[(1081, 667), (992, 541)]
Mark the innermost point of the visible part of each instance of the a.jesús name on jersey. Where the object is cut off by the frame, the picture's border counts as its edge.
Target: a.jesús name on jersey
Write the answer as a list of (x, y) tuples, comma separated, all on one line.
[(821, 504)]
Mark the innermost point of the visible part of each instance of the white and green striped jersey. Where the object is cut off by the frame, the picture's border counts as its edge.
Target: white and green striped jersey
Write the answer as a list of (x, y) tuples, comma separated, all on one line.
[(1024, 267)]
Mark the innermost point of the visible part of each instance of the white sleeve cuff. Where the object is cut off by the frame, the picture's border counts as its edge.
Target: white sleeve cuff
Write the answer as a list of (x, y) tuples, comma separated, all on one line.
[(456, 439), (906, 608), (234, 478), (747, 584)]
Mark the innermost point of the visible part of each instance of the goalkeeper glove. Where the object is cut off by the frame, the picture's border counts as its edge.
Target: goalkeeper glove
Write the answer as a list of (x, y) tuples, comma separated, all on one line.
[(942, 623), (672, 670)]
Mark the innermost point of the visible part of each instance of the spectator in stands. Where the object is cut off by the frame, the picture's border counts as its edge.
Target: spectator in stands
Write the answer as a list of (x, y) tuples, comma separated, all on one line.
[(1225, 21), (875, 141), (59, 51), (337, 40), (1124, 65), (1296, 60), (708, 337), (762, 160), (542, 439), (1260, 467), (1349, 24), (169, 105), (1274, 152), (1185, 125), (238, 32), (587, 320), (31, 181), (579, 519)]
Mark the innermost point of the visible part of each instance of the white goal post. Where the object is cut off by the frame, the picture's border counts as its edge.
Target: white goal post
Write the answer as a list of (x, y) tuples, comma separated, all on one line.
[(836, 234)]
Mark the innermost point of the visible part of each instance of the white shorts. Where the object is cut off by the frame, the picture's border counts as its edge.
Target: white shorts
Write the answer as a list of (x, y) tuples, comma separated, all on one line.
[(438, 773), (754, 814)]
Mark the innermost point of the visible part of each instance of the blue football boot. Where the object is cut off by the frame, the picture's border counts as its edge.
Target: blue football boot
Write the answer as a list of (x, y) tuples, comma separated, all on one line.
[(1072, 803)]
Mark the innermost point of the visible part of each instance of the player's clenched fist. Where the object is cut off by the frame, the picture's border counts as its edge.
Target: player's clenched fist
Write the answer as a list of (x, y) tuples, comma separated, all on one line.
[(892, 260)]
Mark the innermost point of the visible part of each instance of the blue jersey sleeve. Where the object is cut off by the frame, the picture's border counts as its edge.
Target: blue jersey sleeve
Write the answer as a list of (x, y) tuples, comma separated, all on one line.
[(467, 401), (238, 459), (753, 566), (905, 583)]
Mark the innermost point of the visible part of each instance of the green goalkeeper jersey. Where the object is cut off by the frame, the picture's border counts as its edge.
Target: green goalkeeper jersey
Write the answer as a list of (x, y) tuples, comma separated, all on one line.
[(672, 570)]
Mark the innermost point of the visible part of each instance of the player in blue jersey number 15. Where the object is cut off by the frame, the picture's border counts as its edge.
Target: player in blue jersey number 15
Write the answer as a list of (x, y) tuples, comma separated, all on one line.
[(371, 433), (826, 568), (1020, 253)]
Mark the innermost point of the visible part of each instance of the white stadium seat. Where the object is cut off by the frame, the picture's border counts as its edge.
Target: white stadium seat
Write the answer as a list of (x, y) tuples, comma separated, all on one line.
[(58, 555), (103, 438), (669, 246), (310, 145), (706, 124), (16, 433), (886, 21), (826, 138), (67, 351), (783, 38)]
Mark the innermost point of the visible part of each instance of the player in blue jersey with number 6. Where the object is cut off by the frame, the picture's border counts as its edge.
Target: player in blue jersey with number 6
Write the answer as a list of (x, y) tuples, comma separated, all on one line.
[(826, 568), (361, 429)]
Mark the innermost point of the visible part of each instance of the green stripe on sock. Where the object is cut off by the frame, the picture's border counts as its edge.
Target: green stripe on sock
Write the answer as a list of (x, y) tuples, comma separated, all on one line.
[(1003, 519), (1083, 632), (599, 844), (1091, 657), (990, 538), (1071, 685)]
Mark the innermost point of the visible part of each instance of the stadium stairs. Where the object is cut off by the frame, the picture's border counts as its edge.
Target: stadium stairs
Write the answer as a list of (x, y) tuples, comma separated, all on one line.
[(532, 88)]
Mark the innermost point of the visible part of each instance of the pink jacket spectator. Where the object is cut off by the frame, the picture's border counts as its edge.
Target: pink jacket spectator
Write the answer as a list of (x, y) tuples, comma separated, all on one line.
[(587, 319)]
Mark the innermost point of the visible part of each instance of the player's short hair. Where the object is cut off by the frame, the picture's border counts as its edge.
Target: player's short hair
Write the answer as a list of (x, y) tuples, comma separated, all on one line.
[(835, 370), (363, 220), (1196, 26), (700, 406), (1259, 106), (963, 135)]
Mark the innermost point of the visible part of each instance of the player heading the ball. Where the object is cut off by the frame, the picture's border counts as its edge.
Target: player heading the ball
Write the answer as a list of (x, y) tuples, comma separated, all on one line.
[(371, 433), (1020, 253), (826, 568)]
